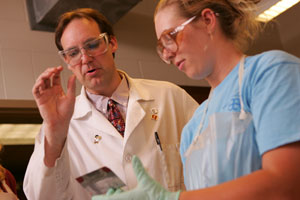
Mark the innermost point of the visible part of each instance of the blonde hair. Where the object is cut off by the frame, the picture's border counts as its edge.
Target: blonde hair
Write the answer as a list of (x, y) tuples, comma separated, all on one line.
[(236, 17)]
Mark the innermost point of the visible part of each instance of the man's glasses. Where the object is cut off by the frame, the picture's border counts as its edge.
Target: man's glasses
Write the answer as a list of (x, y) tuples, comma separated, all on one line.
[(94, 47), (167, 45)]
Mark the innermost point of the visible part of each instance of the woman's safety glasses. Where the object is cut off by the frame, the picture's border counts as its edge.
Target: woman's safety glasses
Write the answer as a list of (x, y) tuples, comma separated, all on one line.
[(94, 47), (167, 45)]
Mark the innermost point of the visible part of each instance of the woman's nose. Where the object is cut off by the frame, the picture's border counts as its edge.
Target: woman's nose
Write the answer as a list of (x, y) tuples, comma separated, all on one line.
[(168, 55)]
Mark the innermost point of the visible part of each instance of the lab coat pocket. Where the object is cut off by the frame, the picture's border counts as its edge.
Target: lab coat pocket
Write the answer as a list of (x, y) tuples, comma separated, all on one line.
[(172, 167)]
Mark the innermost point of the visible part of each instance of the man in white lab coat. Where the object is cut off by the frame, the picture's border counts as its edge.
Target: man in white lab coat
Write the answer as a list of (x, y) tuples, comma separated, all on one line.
[(77, 138)]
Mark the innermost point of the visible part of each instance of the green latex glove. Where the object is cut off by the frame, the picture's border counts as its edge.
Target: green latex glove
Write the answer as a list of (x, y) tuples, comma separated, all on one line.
[(147, 188), (112, 191)]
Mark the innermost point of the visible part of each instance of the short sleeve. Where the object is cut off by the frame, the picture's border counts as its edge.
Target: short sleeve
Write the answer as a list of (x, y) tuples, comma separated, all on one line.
[(273, 97)]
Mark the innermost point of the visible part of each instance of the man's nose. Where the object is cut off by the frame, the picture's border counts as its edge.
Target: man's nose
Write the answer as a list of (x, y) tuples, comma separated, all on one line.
[(85, 56)]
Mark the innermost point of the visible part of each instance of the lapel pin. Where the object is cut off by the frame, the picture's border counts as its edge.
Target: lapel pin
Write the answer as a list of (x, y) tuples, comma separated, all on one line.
[(154, 114), (97, 139)]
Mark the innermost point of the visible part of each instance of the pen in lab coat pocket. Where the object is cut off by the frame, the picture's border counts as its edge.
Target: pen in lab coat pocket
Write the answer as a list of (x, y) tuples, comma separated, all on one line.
[(157, 140)]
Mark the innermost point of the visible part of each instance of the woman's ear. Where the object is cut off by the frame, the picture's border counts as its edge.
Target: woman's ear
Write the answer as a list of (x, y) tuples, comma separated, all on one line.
[(114, 44), (209, 18)]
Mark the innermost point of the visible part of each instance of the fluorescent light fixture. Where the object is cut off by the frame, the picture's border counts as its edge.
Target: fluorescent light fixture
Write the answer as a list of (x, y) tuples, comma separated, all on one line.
[(272, 11), (14, 134)]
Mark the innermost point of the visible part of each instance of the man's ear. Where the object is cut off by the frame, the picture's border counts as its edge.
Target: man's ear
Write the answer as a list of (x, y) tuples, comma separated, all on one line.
[(209, 18), (114, 44)]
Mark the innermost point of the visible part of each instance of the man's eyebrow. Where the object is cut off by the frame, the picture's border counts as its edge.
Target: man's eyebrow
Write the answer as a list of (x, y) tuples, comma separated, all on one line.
[(71, 48), (90, 39), (86, 41)]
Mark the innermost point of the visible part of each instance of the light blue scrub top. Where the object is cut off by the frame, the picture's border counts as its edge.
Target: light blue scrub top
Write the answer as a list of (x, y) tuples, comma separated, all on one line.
[(270, 92)]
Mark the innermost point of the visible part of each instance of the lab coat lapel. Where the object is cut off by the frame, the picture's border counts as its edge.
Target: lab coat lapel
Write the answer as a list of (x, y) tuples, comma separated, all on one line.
[(135, 114), (135, 111), (83, 108)]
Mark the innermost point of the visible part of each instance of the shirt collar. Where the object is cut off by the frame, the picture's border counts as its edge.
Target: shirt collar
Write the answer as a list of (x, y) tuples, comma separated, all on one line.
[(120, 95)]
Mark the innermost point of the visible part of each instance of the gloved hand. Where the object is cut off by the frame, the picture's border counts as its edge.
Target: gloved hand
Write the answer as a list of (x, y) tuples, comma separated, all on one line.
[(112, 191), (147, 188)]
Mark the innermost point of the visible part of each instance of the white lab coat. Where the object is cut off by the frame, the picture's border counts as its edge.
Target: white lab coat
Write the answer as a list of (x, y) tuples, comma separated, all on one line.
[(81, 155)]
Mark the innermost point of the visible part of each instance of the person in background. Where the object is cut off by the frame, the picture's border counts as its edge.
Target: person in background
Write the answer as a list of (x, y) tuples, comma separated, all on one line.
[(243, 142), (113, 118), (8, 190)]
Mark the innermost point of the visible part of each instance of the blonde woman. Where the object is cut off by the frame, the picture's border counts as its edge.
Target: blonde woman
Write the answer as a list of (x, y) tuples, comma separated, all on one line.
[(243, 141)]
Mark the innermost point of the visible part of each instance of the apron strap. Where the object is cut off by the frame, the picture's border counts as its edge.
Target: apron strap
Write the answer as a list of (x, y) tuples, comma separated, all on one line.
[(241, 74), (242, 113)]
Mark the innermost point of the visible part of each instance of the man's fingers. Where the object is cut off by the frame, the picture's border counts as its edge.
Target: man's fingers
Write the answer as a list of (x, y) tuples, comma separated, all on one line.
[(47, 79), (56, 76), (71, 88), (38, 88)]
